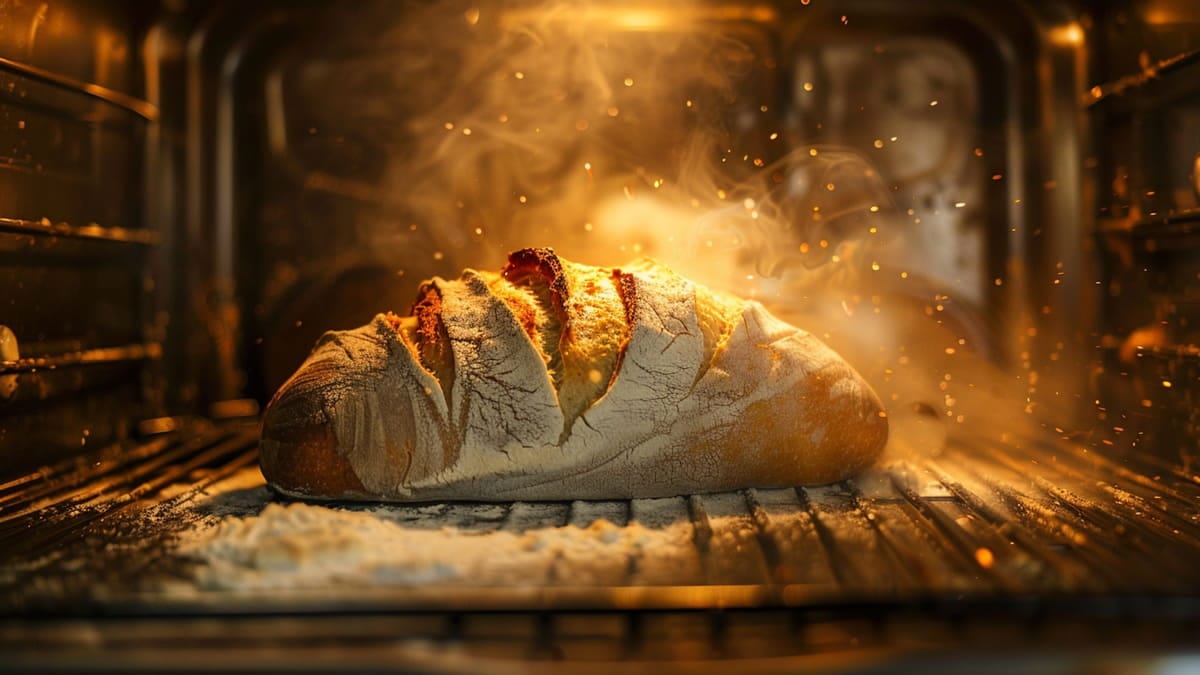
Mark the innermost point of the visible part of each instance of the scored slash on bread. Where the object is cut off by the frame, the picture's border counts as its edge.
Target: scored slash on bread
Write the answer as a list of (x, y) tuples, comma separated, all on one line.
[(556, 380), (586, 329)]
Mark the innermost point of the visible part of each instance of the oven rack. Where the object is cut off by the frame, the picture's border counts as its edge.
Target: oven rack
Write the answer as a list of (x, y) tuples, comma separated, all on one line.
[(971, 547), (1049, 517)]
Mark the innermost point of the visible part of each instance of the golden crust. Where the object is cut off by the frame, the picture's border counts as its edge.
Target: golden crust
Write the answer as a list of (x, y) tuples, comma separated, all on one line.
[(304, 460), (760, 449)]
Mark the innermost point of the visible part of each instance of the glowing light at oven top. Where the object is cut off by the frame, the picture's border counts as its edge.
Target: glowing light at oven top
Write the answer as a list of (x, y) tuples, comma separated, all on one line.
[(1070, 35), (640, 18)]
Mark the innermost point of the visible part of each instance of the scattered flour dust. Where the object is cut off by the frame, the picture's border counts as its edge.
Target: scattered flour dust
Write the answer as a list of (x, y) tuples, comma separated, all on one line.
[(279, 546)]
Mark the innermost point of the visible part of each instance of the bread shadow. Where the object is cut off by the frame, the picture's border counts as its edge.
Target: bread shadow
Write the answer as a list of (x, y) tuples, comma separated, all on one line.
[(515, 517), (234, 503)]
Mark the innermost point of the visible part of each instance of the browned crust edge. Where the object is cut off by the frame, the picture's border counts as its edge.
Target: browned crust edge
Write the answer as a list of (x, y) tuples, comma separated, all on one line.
[(433, 340), (303, 459), (627, 289), (545, 262)]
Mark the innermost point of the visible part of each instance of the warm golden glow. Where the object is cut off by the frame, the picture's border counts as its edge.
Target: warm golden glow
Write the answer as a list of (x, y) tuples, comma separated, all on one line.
[(634, 19), (644, 18), (1069, 35), (1168, 12), (1159, 17)]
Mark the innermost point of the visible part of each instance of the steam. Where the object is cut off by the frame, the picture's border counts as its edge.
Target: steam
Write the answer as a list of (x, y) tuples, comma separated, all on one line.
[(556, 112), (574, 124), (611, 133)]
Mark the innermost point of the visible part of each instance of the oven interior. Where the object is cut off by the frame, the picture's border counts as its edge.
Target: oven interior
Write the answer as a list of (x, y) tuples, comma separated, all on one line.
[(988, 208)]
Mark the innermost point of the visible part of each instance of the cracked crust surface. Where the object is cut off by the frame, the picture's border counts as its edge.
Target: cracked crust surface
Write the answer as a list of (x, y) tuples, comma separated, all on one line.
[(554, 380)]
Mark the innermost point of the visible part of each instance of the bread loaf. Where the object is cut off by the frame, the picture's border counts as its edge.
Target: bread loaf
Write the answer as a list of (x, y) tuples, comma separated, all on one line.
[(557, 381)]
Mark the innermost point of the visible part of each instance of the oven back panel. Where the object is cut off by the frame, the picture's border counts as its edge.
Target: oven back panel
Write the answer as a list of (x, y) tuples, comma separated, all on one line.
[(355, 154)]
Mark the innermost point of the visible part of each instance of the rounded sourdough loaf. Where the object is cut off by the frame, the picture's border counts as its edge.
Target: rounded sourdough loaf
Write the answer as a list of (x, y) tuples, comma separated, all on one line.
[(557, 381)]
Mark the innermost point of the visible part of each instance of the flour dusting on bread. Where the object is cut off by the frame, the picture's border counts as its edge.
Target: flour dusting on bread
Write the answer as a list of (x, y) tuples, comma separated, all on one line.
[(555, 380)]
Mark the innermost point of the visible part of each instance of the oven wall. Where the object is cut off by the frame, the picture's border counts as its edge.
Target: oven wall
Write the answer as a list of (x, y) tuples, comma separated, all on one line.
[(79, 335), (1142, 185)]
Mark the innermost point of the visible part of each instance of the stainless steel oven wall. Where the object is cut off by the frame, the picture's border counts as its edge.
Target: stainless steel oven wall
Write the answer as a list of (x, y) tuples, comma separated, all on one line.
[(233, 175), (1142, 185), (970, 112), (194, 53), (78, 335)]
